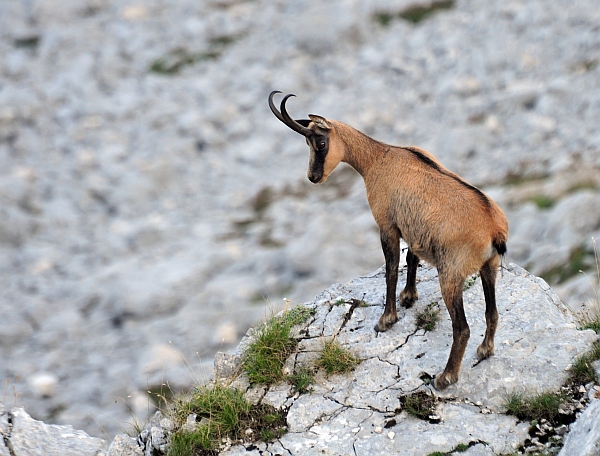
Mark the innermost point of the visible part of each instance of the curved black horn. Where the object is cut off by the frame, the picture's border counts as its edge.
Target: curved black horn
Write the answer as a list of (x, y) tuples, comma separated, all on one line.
[(273, 108), (285, 117), (291, 122)]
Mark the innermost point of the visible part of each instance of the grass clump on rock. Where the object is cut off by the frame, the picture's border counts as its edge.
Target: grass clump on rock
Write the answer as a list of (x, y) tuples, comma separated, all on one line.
[(413, 14), (218, 413), (582, 370), (335, 359), (264, 358), (460, 448), (542, 406), (592, 322), (302, 379)]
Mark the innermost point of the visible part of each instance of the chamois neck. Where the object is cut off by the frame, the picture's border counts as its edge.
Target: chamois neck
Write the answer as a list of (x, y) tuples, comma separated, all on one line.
[(360, 151)]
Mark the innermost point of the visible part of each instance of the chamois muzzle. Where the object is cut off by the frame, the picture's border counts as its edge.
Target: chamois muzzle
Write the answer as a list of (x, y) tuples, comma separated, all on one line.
[(315, 178), (285, 117)]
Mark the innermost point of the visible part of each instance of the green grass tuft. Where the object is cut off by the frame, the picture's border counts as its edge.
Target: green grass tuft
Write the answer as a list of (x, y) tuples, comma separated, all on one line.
[(543, 201), (418, 13), (264, 358), (544, 405), (177, 59), (184, 443), (335, 359), (302, 379), (413, 14), (383, 19), (225, 413), (592, 324), (582, 370), (429, 318), (460, 448)]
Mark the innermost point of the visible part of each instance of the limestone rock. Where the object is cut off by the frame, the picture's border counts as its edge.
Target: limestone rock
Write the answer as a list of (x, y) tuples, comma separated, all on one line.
[(123, 445), (35, 438), (361, 412), (584, 437)]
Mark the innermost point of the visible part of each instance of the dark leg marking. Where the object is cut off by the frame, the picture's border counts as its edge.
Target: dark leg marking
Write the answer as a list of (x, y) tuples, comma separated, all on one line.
[(390, 243), (452, 290), (489, 272), (409, 295)]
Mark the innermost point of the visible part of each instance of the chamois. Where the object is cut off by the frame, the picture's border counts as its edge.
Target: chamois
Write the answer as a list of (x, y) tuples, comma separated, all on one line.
[(443, 219)]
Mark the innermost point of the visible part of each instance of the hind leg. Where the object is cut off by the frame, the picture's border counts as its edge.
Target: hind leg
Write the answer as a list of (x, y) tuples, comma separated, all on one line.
[(409, 295), (452, 292), (489, 272)]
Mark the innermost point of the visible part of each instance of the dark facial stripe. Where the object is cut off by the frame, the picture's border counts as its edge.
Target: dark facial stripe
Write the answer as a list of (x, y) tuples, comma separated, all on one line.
[(429, 162)]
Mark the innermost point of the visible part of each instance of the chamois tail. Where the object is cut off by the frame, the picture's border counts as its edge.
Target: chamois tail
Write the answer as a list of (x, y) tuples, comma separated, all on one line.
[(499, 244)]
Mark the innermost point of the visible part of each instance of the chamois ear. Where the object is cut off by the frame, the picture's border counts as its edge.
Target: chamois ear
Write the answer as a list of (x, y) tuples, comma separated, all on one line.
[(320, 122)]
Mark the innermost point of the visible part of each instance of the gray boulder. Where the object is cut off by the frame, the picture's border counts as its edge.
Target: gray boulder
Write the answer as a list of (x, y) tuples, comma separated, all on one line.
[(584, 438), (362, 412), (24, 436), (123, 445)]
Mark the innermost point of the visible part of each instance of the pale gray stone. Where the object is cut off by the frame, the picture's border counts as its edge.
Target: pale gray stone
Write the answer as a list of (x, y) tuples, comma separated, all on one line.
[(227, 365), (278, 395), (308, 409), (123, 445), (5, 430), (35, 438), (584, 436)]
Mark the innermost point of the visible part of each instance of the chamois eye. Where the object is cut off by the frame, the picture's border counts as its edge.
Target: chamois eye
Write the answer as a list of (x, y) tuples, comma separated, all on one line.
[(321, 145)]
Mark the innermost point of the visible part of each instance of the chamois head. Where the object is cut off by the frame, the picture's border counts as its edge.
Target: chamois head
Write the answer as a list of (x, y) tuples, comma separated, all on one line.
[(317, 131)]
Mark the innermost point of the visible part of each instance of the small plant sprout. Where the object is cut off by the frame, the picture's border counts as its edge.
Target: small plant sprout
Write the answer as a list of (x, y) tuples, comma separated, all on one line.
[(302, 379), (429, 318), (335, 359)]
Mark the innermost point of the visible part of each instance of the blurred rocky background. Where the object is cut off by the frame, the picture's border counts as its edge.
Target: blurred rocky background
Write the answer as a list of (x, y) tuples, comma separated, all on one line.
[(152, 207)]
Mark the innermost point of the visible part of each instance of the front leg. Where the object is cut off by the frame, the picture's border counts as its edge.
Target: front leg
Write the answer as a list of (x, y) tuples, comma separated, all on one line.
[(390, 243), (409, 295)]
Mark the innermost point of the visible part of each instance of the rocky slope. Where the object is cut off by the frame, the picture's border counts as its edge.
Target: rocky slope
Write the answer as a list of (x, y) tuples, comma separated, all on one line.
[(153, 208), (365, 411)]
